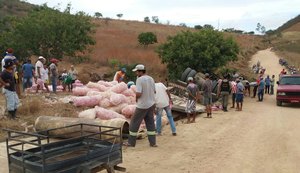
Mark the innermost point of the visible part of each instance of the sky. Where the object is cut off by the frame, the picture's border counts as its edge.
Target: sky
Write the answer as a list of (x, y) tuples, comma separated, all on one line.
[(238, 14)]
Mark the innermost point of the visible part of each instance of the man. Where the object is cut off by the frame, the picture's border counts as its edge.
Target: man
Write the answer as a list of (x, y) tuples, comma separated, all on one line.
[(239, 95), (39, 67), (255, 88), (27, 70), (7, 80), (207, 95), (9, 55), (53, 73), (223, 90), (272, 84), (163, 100), (261, 87), (233, 92), (267, 84), (120, 75), (145, 95), (73, 74), (193, 95)]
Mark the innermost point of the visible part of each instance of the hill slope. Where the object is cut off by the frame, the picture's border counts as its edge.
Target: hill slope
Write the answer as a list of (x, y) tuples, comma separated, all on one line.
[(14, 8)]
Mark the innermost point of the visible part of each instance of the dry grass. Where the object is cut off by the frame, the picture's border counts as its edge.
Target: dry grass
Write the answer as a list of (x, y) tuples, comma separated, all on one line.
[(30, 106)]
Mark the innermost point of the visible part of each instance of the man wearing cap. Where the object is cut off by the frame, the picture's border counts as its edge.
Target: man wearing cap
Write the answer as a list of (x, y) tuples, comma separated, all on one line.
[(193, 95), (145, 95), (239, 95), (224, 88), (9, 55), (207, 95), (261, 87), (39, 66), (53, 73), (7, 80), (120, 75)]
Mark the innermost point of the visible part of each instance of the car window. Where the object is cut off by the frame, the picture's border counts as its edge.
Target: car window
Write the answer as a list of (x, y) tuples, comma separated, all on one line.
[(290, 81)]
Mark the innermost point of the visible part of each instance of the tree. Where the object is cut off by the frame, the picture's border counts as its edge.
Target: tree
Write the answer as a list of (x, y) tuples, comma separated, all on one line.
[(198, 27), (50, 33), (146, 38), (208, 26), (182, 24), (119, 16), (155, 19), (204, 50), (98, 15), (260, 28), (147, 19)]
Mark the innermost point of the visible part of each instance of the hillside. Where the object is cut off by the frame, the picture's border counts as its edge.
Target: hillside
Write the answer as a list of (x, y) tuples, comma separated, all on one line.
[(117, 39), (14, 8), (287, 43)]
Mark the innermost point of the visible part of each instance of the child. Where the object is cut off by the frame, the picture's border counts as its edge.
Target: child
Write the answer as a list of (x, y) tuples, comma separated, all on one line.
[(7, 80)]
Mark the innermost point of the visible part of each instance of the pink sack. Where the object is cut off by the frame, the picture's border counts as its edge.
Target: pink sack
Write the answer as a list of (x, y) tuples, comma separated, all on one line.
[(117, 99), (104, 83), (128, 93), (128, 111), (133, 88), (92, 93), (85, 101), (105, 103), (105, 114), (131, 100), (80, 91), (118, 108), (89, 113), (119, 88), (97, 86)]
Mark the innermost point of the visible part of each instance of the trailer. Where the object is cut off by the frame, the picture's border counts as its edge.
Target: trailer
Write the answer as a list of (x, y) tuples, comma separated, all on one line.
[(44, 152)]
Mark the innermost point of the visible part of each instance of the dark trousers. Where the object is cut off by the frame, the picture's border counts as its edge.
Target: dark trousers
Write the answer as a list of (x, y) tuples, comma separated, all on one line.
[(267, 91), (260, 95), (254, 91), (139, 115), (272, 90)]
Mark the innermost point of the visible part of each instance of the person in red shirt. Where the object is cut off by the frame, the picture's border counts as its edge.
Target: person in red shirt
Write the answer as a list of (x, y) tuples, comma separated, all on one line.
[(120, 75)]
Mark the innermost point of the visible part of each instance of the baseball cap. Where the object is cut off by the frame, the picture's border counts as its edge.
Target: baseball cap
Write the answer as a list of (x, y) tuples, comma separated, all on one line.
[(206, 75), (190, 79), (139, 67), (54, 60), (123, 69), (41, 57)]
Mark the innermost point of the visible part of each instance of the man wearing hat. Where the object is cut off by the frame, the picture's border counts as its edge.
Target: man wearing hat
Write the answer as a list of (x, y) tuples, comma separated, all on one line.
[(207, 95), (193, 95), (7, 80), (39, 66), (145, 95), (54, 73), (120, 75), (9, 55), (239, 94)]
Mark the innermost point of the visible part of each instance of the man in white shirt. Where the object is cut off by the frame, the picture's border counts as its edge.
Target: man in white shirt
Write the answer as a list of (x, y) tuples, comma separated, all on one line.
[(39, 66), (162, 100), (145, 95)]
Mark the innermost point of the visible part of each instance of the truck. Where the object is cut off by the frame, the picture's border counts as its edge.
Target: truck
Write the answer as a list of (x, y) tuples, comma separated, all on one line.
[(288, 90)]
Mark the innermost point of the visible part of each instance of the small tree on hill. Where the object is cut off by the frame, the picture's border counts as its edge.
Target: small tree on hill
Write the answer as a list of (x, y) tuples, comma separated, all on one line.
[(98, 15), (146, 38), (205, 50), (198, 27), (208, 26), (119, 16), (155, 19), (147, 19)]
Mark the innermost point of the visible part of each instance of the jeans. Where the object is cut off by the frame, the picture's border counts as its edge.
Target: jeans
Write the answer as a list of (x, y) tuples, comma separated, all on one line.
[(170, 117), (267, 91), (260, 94), (27, 82), (12, 100), (54, 83)]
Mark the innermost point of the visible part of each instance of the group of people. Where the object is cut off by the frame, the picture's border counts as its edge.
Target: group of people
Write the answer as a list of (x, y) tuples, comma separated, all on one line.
[(11, 75)]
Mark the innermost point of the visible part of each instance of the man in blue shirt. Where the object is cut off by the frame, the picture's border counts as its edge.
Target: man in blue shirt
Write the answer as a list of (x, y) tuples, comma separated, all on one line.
[(27, 70), (261, 87), (239, 95)]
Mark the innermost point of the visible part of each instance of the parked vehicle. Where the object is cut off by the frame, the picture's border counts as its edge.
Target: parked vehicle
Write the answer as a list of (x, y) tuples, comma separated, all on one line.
[(288, 90)]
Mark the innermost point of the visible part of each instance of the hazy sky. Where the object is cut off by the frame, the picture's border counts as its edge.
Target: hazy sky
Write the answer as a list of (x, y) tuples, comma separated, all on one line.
[(239, 14)]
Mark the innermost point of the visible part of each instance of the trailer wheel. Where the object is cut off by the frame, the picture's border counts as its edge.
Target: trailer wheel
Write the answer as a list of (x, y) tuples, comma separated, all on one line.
[(185, 73), (279, 103)]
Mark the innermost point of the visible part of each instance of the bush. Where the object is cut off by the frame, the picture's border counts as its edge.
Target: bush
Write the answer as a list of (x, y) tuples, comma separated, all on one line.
[(147, 38)]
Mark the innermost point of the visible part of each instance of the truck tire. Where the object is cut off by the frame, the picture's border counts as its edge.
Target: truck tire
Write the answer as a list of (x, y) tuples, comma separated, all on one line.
[(185, 73), (191, 74), (279, 103)]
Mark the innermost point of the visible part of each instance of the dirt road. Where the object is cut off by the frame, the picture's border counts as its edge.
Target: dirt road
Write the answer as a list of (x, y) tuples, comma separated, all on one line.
[(263, 138)]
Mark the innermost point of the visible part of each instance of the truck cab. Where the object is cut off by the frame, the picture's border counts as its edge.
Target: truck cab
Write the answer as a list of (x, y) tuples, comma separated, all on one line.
[(288, 90)]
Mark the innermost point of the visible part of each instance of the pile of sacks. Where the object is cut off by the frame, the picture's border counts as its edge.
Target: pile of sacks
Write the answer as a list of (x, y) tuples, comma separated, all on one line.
[(108, 100), (59, 88)]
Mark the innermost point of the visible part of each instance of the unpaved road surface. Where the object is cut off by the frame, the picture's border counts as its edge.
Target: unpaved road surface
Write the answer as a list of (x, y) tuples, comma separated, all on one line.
[(263, 138)]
